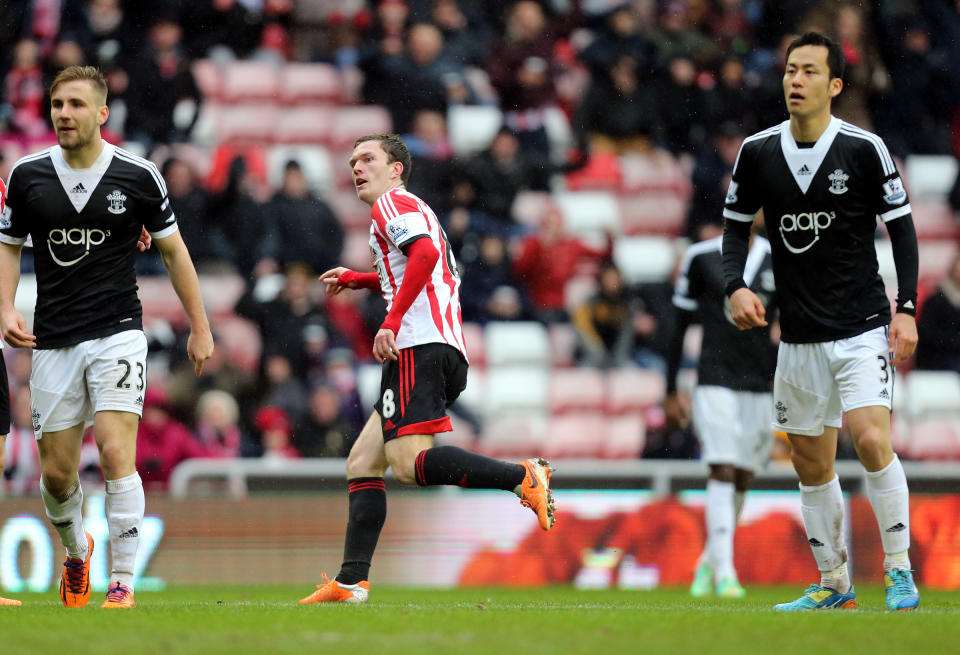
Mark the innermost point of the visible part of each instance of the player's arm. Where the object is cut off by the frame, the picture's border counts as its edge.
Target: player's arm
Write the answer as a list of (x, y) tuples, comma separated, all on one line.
[(906, 259), (740, 205), (675, 405), (183, 276), (422, 257), (340, 278), (12, 237)]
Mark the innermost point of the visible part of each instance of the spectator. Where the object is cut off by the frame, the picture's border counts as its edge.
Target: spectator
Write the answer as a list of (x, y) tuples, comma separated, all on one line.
[(105, 31), (222, 29), (161, 87), (240, 219), (521, 70), (23, 102), (162, 441), (620, 36), (685, 122), (283, 319), (939, 325), (218, 425), (281, 388), (466, 37), (430, 154), (301, 227), (711, 178), (732, 99), (547, 261), (191, 202), (676, 38), (324, 431), (604, 323), (619, 114), (276, 432), (501, 171), (488, 291)]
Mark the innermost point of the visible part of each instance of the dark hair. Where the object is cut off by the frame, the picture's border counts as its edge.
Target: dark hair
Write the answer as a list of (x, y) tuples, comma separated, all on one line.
[(836, 62), (396, 150)]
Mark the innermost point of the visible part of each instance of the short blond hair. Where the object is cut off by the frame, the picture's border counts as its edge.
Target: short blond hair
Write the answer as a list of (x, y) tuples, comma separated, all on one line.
[(90, 74)]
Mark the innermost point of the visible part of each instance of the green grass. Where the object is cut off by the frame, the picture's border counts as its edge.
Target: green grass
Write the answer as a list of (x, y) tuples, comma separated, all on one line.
[(557, 621)]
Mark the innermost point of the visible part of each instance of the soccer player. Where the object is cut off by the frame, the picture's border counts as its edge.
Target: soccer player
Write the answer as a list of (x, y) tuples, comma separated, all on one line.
[(420, 345), (732, 404), (821, 183), (84, 203)]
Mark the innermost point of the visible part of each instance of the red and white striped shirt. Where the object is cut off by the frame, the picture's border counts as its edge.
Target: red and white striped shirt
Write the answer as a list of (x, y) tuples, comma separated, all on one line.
[(400, 217)]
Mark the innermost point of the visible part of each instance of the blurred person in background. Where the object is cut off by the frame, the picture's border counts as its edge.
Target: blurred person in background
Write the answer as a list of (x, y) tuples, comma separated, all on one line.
[(217, 425), (300, 227), (711, 178), (204, 237), (621, 35), (430, 155), (732, 403), (276, 433), (685, 124), (240, 219), (547, 261), (490, 292), (281, 387), (604, 323), (162, 441), (222, 29), (23, 92), (22, 468), (939, 325), (324, 431), (162, 87)]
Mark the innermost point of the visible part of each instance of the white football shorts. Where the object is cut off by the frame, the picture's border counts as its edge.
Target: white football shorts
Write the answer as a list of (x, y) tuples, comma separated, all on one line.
[(69, 385), (816, 382), (733, 426)]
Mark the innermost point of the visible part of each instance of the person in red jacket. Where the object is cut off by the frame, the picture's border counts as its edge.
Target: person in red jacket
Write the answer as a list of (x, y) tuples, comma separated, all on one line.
[(162, 441)]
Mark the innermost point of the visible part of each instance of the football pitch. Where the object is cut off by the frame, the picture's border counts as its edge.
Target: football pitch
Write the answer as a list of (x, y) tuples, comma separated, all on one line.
[(556, 620)]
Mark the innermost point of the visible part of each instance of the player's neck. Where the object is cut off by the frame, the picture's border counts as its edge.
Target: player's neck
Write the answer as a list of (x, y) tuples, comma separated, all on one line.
[(807, 129), (85, 156), (398, 185)]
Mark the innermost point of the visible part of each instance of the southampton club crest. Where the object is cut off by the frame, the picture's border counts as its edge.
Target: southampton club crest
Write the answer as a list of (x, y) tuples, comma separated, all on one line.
[(116, 202), (838, 182)]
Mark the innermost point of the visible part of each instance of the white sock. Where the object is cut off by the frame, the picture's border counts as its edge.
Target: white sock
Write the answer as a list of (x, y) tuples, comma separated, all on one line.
[(822, 509), (66, 515), (720, 527), (838, 579), (125, 505), (899, 560), (890, 499)]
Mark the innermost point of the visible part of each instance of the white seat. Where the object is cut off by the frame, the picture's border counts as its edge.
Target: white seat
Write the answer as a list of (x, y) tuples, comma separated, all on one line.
[(303, 82), (515, 436), (930, 177), (250, 80), (314, 162), (473, 397), (517, 343), (472, 127), (473, 337), (350, 122), (653, 213), (577, 390), (368, 384), (625, 437), (516, 390), (932, 394), (246, 124), (644, 259), (632, 390), (590, 214), (304, 124)]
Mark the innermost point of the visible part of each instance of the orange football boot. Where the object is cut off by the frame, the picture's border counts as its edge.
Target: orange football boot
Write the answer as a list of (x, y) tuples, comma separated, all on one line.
[(119, 597), (75, 579), (535, 490), (332, 591), (9, 602)]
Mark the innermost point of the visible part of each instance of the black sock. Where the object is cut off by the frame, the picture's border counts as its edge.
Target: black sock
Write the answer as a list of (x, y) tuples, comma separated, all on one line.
[(368, 511), (452, 465)]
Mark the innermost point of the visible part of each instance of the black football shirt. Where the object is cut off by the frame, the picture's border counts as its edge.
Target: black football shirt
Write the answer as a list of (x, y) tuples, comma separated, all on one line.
[(742, 360), (820, 206), (84, 225)]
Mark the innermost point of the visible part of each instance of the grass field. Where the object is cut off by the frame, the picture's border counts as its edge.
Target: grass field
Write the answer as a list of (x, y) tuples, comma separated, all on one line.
[(557, 620)]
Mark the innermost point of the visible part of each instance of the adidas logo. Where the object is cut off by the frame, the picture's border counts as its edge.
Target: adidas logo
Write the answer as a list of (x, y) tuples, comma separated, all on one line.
[(804, 170), (816, 543), (884, 394), (899, 527), (139, 401), (132, 533), (909, 305), (389, 425), (78, 189)]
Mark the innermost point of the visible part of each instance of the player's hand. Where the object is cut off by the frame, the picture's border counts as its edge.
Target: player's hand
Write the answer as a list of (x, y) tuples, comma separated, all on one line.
[(144, 241), (746, 310), (903, 338), (332, 278), (385, 346), (14, 328), (676, 407), (199, 349)]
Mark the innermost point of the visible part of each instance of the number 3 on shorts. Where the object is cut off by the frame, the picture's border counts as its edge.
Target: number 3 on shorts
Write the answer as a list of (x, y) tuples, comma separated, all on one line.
[(389, 406), (127, 368)]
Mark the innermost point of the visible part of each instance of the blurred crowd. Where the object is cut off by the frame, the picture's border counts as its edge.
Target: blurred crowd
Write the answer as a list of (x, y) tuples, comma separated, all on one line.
[(683, 79)]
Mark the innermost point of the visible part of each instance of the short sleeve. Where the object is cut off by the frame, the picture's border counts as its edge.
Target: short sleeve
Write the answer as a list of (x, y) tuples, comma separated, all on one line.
[(400, 219), (158, 216), (890, 194), (13, 226), (743, 198)]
